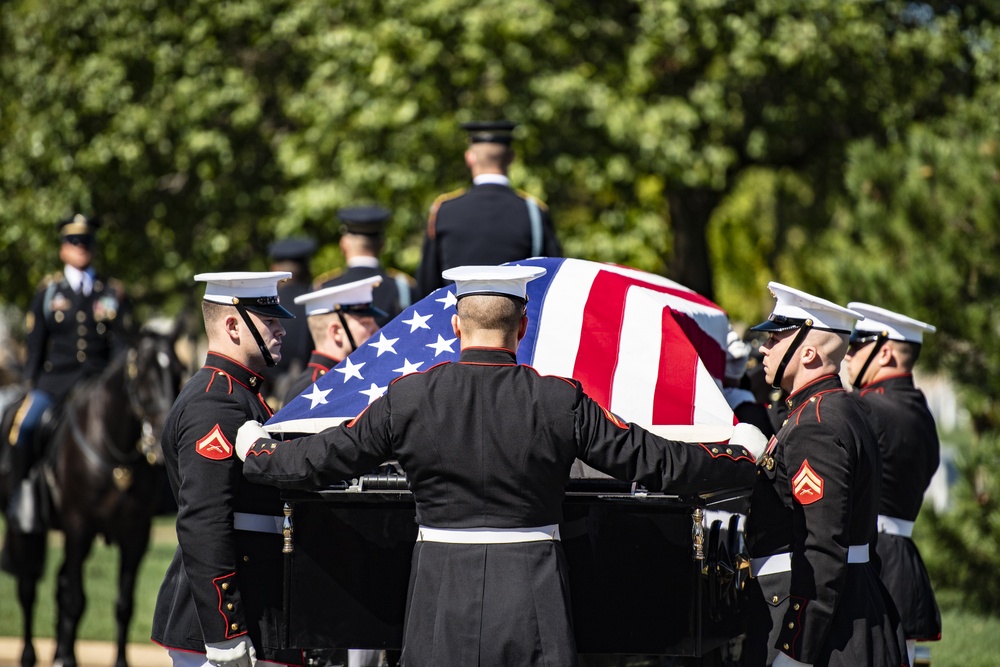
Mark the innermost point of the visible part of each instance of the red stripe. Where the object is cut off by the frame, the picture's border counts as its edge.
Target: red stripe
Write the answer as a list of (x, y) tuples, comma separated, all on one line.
[(600, 338), (673, 400), (601, 335)]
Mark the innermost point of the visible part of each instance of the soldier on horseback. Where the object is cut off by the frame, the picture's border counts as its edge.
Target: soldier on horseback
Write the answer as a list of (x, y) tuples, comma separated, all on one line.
[(77, 322)]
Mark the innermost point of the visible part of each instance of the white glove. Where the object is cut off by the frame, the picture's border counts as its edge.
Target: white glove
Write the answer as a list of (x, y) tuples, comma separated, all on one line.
[(236, 652), (745, 435), (248, 434), (784, 661)]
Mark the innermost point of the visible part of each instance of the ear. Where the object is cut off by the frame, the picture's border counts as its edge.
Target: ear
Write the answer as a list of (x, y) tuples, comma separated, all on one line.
[(886, 355), (522, 328), (232, 325), (808, 354), (336, 332), (470, 158), (456, 325)]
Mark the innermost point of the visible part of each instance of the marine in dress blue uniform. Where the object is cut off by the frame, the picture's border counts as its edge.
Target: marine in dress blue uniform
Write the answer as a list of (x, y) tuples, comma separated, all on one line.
[(342, 317), (220, 601), (491, 223), (78, 320), (815, 596), (487, 446), (884, 347), (361, 239)]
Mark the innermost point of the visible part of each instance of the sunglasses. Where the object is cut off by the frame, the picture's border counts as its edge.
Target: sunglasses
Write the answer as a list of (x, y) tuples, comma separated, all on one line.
[(79, 240)]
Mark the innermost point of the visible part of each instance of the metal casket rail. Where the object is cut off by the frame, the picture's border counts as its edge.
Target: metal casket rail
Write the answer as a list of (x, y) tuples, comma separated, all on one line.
[(650, 574)]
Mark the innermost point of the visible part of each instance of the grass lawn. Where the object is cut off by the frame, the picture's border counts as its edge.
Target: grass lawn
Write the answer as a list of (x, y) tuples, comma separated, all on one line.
[(966, 638)]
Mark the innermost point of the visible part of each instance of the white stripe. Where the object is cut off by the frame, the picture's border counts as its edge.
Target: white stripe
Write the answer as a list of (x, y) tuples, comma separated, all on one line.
[(893, 526), (488, 535), (634, 380), (257, 523), (710, 404), (558, 338), (765, 565), (311, 425)]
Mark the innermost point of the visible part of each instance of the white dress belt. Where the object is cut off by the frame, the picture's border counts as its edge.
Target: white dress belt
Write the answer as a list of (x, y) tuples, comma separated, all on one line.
[(765, 565), (257, 523), (894, 526), (488, 535)]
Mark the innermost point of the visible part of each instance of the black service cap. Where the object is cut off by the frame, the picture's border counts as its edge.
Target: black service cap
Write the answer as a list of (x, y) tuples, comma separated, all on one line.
[(368, 220), (78, 225), (295, 249), (490, 131)]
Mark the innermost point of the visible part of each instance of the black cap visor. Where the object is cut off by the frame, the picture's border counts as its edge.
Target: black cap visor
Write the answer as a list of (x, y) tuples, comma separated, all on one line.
[(775, 323), (267, 306), (362, 310)]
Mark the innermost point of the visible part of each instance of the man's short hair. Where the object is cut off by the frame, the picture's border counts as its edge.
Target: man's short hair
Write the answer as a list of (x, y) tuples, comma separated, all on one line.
[(906, 353), (213, 313), (492, 312)]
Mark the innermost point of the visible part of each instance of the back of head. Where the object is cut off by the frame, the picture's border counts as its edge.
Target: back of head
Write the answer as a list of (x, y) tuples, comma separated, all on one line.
[(491, 312)]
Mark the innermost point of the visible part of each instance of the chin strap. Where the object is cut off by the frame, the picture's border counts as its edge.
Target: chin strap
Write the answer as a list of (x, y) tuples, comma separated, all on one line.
[(879, 342), (268, 359), (347, 330), (799, 337)]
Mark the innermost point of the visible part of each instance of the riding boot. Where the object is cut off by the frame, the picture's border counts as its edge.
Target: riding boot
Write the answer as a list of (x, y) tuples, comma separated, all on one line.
[(23, 510)]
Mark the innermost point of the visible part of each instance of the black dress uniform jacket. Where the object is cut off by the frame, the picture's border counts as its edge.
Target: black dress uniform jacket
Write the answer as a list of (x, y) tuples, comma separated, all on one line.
[(816, 495), (222, 582), (907, 436), (489, 443), (72, 336), (386, 296), (319, 365), (486, 225)]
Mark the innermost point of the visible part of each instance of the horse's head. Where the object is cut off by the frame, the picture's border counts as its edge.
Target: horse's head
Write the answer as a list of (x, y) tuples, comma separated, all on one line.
[(153, 374)]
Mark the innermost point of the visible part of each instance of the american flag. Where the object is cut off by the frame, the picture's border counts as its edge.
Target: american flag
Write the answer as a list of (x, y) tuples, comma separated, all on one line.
[(648, 349)]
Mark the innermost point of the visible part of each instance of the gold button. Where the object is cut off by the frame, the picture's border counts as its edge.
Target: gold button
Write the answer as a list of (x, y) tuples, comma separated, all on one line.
[(786, 646), (729, 451), (81, 316), (225, 586), (81, 344), (59, 316), (229, 606), (322, 372), (81, 356), (246, 559), (221, 373), (101, 328), (775, 599), (797, 605), (791, 626), (253, 382), (235, 626), (812, 400), (81, 330), (715, 450)]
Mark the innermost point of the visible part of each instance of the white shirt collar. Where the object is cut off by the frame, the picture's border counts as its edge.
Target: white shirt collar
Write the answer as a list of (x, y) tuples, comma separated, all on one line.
[(364, 260), (492, 179), (79, 279)]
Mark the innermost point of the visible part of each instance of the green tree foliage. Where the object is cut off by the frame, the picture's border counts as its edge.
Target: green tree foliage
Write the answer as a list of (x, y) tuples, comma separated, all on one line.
[(202, 130)]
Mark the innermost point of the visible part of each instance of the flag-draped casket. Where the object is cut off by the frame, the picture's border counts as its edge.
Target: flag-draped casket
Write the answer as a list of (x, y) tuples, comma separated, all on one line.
[(648, 349)]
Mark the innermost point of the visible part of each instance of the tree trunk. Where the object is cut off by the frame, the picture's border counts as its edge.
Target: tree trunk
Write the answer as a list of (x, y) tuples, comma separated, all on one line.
[(690, 265)]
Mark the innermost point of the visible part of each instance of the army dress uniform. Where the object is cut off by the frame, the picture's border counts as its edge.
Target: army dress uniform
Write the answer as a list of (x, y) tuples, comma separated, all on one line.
[(816, 596), (72, 335), (491, 223), (908, 439), (487, 447), (319, 365), (224, 580)]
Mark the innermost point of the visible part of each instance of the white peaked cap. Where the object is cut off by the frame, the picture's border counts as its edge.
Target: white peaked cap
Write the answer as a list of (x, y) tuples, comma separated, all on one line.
[(897, 326), (794, 308), (509, 280), (354, 297), (255, 290)]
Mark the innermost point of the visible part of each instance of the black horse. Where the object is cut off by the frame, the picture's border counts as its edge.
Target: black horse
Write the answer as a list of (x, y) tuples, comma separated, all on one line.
[(100, 469)]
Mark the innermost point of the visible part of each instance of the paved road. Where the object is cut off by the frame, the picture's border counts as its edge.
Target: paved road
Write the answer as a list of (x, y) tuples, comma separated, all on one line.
[(88, 653)]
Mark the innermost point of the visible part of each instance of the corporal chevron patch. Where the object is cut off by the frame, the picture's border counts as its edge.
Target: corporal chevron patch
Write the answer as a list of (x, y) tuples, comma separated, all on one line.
[(215, 445), (807, 485)]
